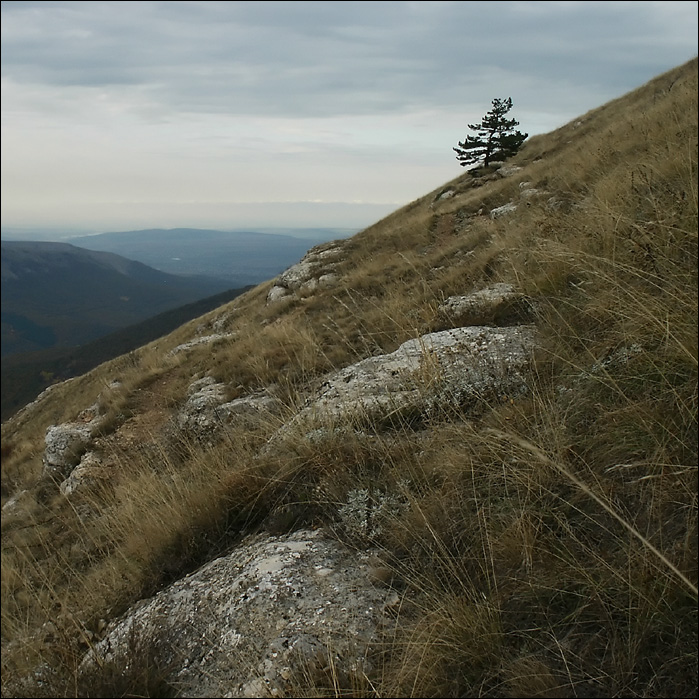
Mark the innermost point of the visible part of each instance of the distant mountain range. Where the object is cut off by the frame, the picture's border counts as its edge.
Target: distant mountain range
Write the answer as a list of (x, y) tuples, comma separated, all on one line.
[(66, 307), (240, 257), (59, 295)]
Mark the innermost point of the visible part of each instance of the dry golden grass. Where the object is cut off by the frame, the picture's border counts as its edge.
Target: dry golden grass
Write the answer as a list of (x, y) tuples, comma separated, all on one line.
[(546, 548)]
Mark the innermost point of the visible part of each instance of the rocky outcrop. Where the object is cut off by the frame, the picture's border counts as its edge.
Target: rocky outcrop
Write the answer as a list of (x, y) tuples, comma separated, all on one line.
[(207, 411), (526, 192), (66, 443), (463, 367), (315, 270), (499, 304), (278, 612), (88, 472), (203, 340), (18, 503), (447, 194), (508, 170), (503, 210), (300, 609)]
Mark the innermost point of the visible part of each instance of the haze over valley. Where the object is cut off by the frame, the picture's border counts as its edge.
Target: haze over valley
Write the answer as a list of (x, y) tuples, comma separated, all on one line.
[(56, 294), (239, 257)]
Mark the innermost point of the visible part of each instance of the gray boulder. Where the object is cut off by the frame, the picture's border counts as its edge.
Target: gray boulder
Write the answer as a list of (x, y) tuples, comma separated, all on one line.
[(498, 304), (464, 367), (66, 443), (508, 170), (203, 340), (277, 612), (313, 271), (207, 411), (90, 471), (503, 210)]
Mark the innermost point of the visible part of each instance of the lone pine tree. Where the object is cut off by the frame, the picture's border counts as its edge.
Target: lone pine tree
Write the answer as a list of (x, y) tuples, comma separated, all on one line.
[(496, 139)]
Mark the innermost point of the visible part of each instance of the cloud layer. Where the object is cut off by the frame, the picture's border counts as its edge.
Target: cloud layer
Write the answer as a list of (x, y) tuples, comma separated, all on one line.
[(116, 108)]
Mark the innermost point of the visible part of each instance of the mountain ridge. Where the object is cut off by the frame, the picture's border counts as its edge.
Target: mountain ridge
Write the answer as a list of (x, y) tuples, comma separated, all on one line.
[(25, 376), (56, 294), (241, 257)]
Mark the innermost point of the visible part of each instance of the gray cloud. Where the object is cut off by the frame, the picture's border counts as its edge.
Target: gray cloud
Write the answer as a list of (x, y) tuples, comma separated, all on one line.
[(339, 101), (330, 58)]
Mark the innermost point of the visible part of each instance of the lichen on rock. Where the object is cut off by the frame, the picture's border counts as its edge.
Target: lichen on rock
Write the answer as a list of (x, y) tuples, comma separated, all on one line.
[(254, 623)]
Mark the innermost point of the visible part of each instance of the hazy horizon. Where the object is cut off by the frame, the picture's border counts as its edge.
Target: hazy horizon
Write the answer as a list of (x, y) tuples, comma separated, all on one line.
[(133, 115), (65, 235), (260, 218)]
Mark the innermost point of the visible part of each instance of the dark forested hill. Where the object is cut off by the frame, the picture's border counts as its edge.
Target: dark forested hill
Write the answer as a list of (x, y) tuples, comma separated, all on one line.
[(59, 295), (24, 376)]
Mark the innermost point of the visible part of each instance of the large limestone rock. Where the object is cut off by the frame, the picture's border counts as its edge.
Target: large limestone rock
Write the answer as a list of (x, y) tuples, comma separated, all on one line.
[(463, 367), (498, 304), (206, 411), (66, 443), (277, 611), (503, 210), (90, 471), (315, 270), (203, 340)]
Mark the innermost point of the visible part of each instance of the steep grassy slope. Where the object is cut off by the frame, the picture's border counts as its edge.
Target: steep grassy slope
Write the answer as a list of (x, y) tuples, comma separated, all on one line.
[(545, 547)]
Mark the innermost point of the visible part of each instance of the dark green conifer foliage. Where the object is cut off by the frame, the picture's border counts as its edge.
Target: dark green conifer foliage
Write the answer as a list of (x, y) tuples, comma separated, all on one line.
[(496, 139)]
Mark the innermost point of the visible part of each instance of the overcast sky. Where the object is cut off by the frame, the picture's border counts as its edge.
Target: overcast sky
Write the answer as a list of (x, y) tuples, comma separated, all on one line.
[(126, 115)]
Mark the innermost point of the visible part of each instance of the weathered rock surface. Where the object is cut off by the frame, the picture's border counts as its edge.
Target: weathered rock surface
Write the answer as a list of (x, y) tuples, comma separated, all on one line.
[(67, 442), (503, 210), (313, 271), (464, 367), (497, 304), (17, 503), (447, 194), (89, 471), (207, 411), (203, 340), (276, 611), (508, 170)]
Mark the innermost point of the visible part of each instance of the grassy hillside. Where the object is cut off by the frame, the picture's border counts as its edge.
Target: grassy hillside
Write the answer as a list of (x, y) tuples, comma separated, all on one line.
[(545, 547)]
